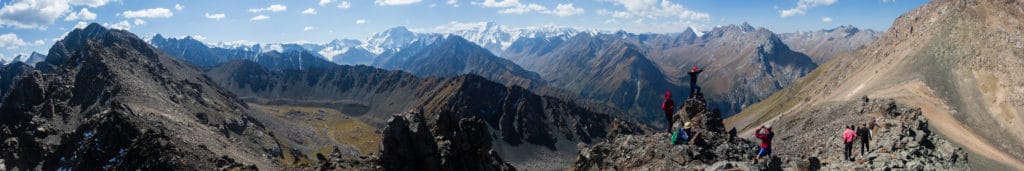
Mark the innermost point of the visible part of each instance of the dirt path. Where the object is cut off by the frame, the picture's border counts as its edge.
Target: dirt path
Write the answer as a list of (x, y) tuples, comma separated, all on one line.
[(919, 95)]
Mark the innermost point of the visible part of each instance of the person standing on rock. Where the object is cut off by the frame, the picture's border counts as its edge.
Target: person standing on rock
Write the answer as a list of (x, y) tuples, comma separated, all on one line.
[(865, 135), (766, 134), (693, 80), (848, 136), (669, 107)]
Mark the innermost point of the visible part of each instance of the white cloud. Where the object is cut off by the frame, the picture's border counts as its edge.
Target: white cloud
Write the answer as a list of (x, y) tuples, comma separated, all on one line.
[(395, 2), (498, 4), (803, 5), (83, 14), (139, 21), (179, 7), (655, 9), (214, 16), (515, 7), (453, 3), (11, 41), (259, 17), (325, 2), (90, 3), (271, 8), (148, 13), (360, 21), (32, 13), (344, 5), (563, 10), (309, 11), (123, 25), (522, 9), (308, 28), (198, 37), (80, 25), (826, 19)]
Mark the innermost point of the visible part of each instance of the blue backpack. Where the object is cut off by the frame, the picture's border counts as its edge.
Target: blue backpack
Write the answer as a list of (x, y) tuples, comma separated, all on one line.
[(680, 137)]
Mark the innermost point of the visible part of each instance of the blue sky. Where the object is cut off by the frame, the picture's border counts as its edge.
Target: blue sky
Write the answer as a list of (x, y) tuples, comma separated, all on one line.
[(34, 25)]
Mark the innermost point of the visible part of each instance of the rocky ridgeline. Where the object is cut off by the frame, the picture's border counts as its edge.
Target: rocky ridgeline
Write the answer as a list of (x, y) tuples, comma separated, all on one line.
[(902, 139), (712, 147), (809, 141), (409, 144)]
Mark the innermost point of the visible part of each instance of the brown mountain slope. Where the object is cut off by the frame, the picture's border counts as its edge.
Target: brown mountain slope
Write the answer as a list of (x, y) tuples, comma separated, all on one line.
[(960, 61)]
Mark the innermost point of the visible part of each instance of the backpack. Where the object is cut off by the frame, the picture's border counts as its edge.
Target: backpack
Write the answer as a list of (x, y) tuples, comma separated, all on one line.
[(680, 137)]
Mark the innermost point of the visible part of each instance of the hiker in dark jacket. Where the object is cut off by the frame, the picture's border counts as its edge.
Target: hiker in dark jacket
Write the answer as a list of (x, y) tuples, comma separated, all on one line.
[(765, 134), (669, 107), (865, 135), (693, 80)]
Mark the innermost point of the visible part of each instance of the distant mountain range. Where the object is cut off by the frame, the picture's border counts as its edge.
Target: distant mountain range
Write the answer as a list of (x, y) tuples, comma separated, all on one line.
[(822, 45), (539, 57)]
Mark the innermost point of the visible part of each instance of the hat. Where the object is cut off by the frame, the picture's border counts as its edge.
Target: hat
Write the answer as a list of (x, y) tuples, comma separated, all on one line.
[(668, 94), (687, 125), (695, 68)]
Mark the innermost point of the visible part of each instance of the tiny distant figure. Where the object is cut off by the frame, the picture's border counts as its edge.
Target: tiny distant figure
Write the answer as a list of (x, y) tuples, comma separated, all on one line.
[(765, 134), (865, 135), (732, 133), (693, 80), (669, 107), (848, 136)]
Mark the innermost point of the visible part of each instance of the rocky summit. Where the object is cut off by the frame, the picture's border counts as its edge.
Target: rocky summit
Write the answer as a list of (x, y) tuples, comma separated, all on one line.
[(105, 99), (902, 140)]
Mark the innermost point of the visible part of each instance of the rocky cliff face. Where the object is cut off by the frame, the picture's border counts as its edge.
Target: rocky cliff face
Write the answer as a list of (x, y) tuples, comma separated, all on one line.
[(105, 99), (410, 144), (806, 142)]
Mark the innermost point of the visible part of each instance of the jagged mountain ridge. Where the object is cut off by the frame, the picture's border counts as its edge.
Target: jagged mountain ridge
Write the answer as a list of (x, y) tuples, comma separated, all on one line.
[(203, 56), (450, 55), (107, 99), (957, 60), (599, 67), (824, 44)]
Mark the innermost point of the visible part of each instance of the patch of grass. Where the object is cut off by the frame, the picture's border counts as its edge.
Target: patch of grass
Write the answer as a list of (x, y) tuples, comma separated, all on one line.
[(336, 125), (355, 133)]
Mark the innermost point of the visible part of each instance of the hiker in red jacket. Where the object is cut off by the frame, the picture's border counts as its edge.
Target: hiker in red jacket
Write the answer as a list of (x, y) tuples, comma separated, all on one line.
[(669, 107), (848, 136), (766, 134)]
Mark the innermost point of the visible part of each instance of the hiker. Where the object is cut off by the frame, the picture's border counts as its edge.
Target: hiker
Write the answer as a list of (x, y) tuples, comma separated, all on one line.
[(688, 128), (669, 107), (765, 134), (732, 133), (848, 136), (865, 135), (684, 135), (693, 80)]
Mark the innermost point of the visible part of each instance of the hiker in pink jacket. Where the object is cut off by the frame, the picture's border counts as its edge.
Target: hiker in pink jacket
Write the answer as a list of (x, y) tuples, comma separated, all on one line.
[(848, 136)]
